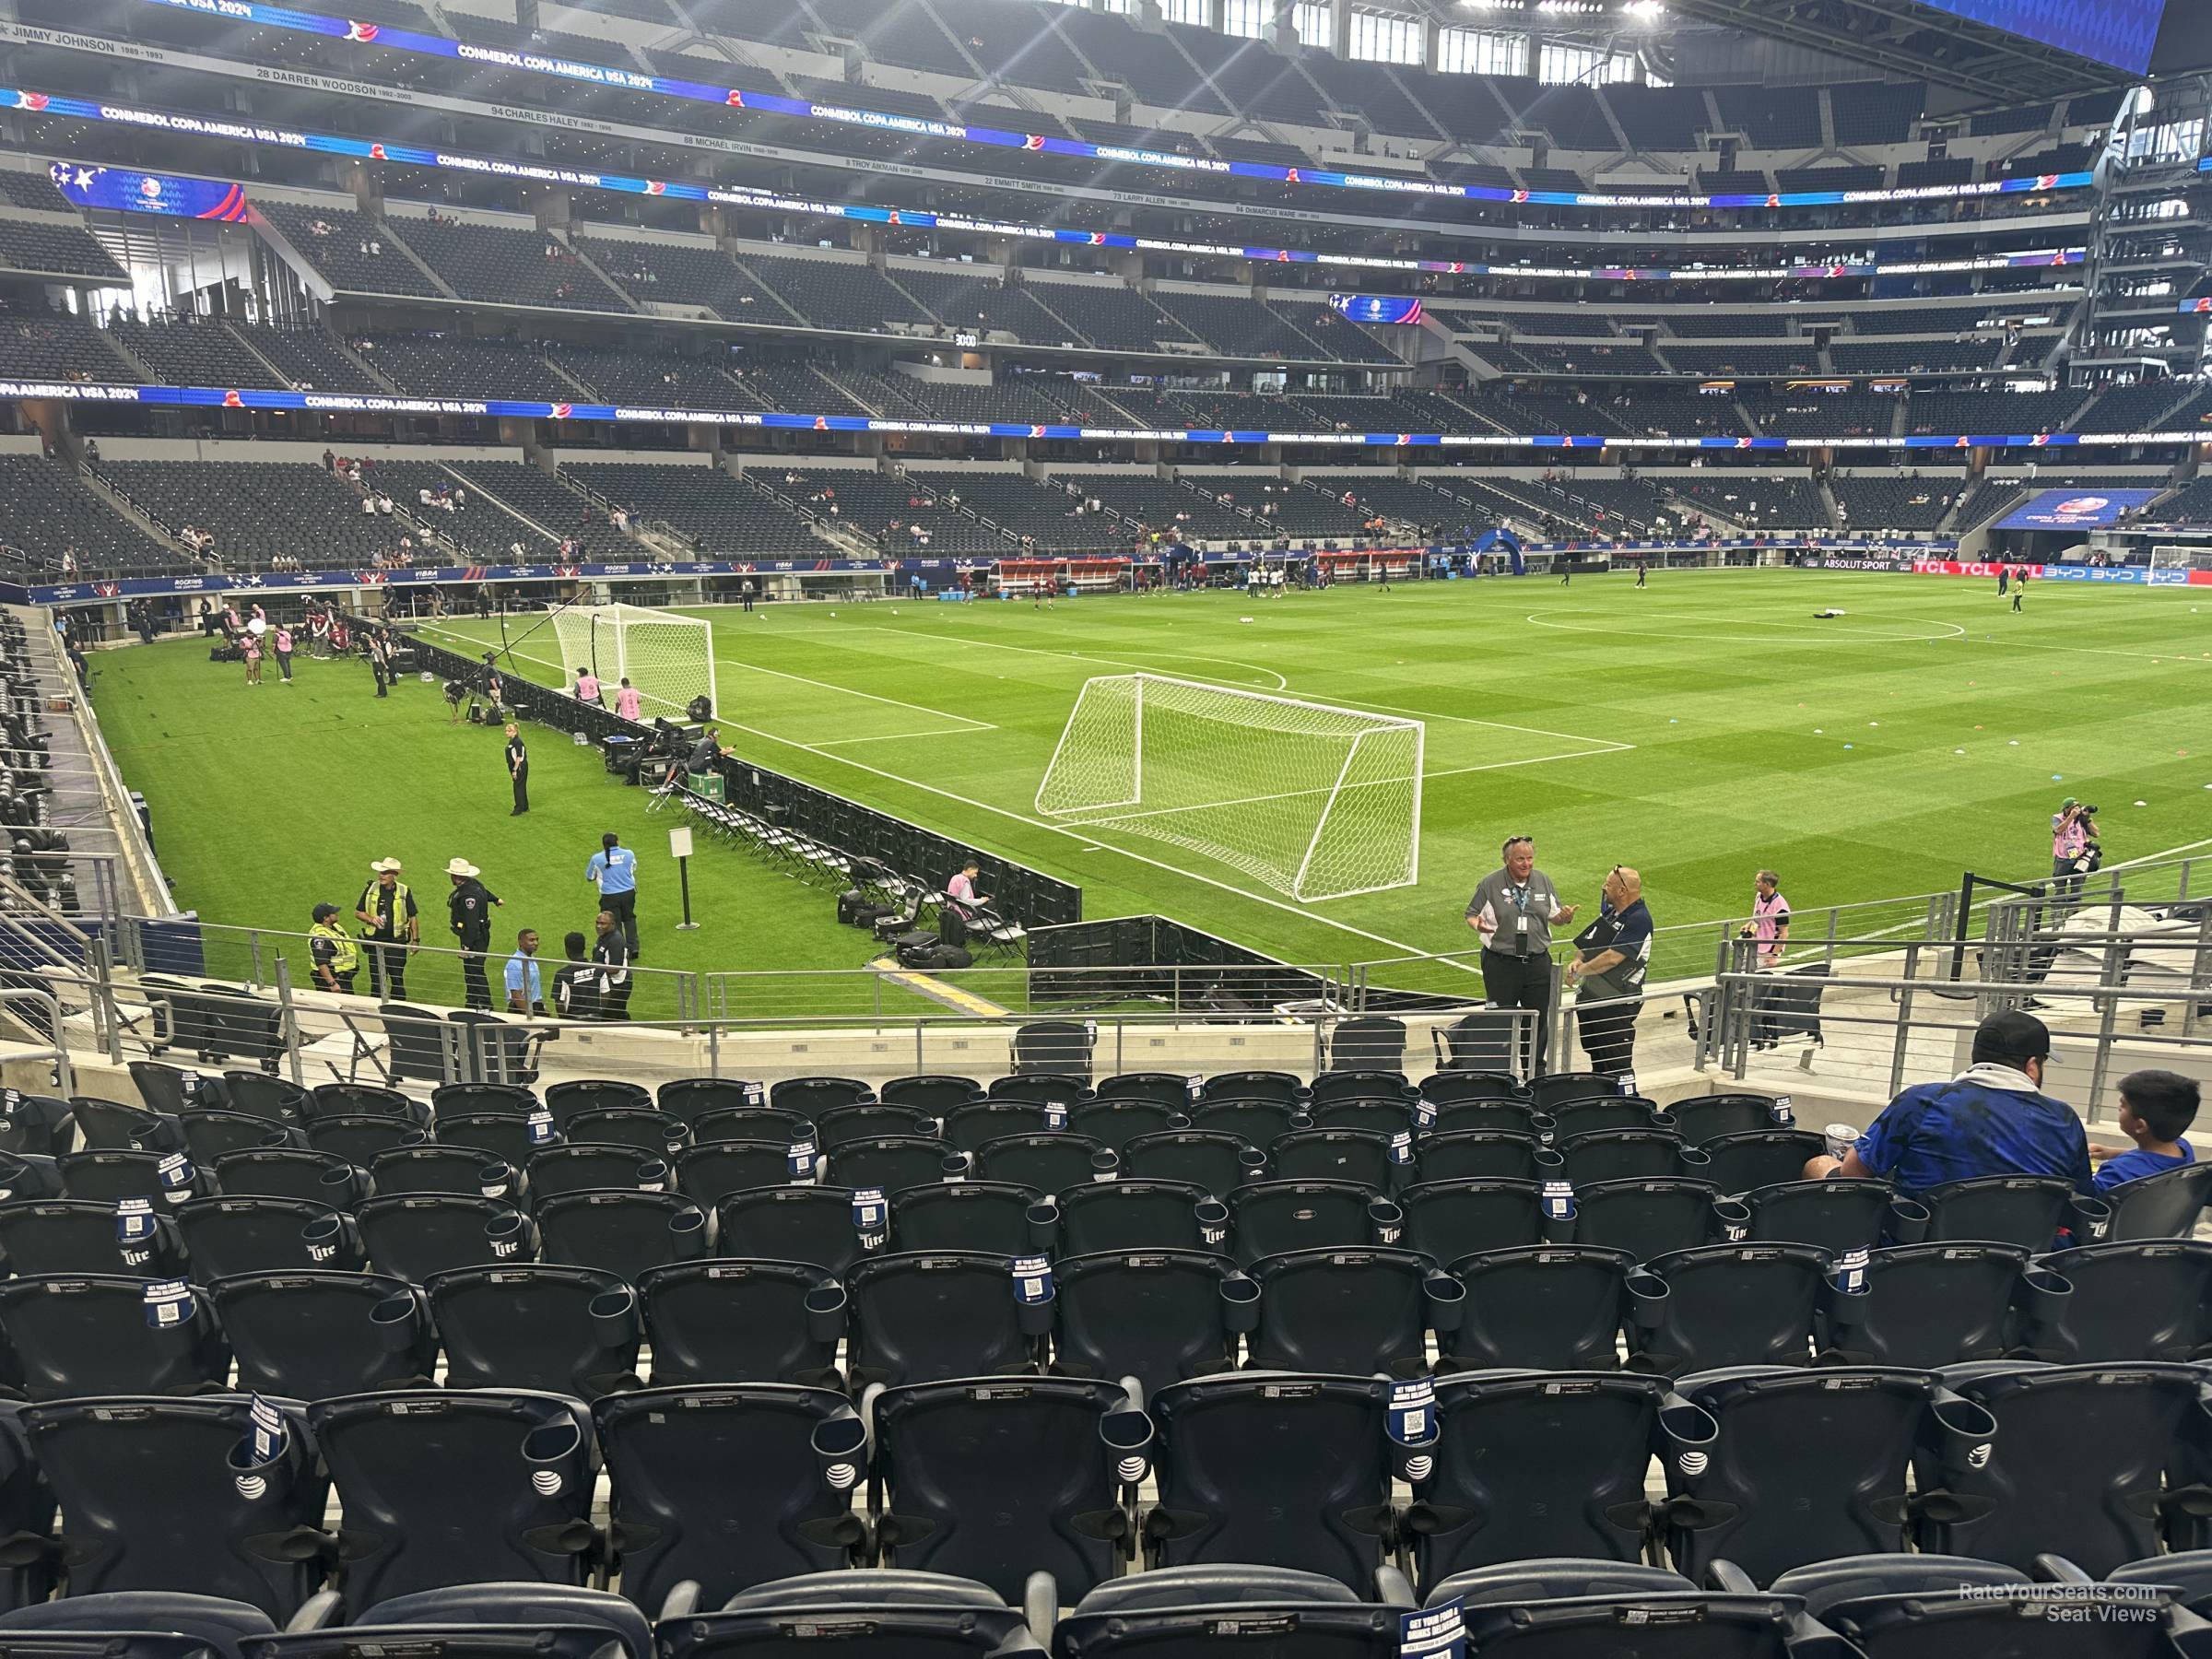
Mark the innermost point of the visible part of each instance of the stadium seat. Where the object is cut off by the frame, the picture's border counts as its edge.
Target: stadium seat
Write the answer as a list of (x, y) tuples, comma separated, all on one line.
[(624, 1232), (1256, 1123), (1270, 1218), (1531, 1464), (76, 1335), (792, 1224), (925, 1316), (1179, 1610), (1940, 1305), (572, 1099), (1228, 1493), (563, 1329), (439, 1489), (1446, 1089), (1350, 1313), (650, 1133), (2028, 1210), (2077, 1464), (2159, 1207), (2145, 1299), (1339, 1154), (1555, 1089), (1838, 1215), (1203, 1158), (1171, 1091), (727, 1321), (1581, 1115), (1482, 1044), (291, 1172), (691, 1098), (1042, 1088), (924, 1615), (1723, 1305), (1480, 1154), (1759, 1158), (870, 1120), (811, 1096), (1160, 1317), (1051, 1163), (931, 1095), (167, 1179), (1372, 1043), (208, 1135), (415, 1235), (431, 1166), (485, 1100), (706, 1171), (1131, 1214), (996, 1218), (1703, 1118), (148, 1499), (363, 1099), (313, 1335), (38, 1126), (1376, 1114), (558, 1622), (749, 1123), (510, 1140), (40, 1236), (995, 1483), (1448, 1219), (1360, 1083), (1795, 1467), (729, 1488), (1053, 1046), (359, 1137), (227, 1236), (142, 1624), (1116, 1120), (1906, 1606), (891, 1162), (259, 1095), (967, 1128), (588, 1167), (1630, 1155), (1651, 1218), (112, 1126)]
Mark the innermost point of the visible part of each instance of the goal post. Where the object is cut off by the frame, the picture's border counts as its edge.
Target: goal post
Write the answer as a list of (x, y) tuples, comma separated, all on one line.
[(1313, 800), (667, 658)]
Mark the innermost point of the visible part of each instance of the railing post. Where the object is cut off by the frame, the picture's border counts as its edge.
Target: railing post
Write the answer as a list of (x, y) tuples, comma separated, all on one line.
[(289, 1020), (1835, 918), (104, 1021), (2200, 974), (714, 1049), (253, 939), (1904, 1021)]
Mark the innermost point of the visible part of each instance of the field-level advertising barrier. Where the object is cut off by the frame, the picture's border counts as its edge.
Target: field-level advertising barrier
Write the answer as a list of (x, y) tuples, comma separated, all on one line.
[(1309, 800)]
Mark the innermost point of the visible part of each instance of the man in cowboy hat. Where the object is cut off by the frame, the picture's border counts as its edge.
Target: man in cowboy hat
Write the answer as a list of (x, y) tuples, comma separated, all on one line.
[(470, 911), (386, 913)]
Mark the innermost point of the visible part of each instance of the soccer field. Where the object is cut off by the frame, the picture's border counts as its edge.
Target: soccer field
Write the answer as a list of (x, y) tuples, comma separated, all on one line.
[(1697, 729)]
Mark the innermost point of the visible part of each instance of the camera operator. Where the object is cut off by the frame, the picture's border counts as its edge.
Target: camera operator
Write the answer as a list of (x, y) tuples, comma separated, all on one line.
[(2075, 850)]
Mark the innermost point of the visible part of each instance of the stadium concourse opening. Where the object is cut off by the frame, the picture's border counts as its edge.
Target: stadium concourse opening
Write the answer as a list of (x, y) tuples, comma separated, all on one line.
[(809, 807)]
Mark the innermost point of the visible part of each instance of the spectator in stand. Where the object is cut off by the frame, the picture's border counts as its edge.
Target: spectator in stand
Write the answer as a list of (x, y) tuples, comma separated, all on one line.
[(2156, 1110)]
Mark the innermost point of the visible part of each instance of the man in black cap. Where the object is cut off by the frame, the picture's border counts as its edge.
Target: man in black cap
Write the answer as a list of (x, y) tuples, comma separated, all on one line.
[(612, 955), (518, 769), (468, 912)]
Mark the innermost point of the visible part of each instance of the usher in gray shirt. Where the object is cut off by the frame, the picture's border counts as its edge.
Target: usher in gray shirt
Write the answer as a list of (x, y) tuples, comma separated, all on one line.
[(1505, 901)]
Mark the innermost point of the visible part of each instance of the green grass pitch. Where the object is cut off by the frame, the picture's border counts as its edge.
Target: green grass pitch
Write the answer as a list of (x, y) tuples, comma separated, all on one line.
[(1699, 728)]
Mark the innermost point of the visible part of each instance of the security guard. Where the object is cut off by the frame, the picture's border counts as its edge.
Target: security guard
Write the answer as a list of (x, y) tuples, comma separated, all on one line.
[(518, 769), (332, 951), (612, 955), (389, 925), (613, 868), (469, 909)]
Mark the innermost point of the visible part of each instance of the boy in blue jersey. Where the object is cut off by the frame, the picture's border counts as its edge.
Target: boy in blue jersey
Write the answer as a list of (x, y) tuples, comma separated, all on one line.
[(2156, 1108), (1992, 1119)]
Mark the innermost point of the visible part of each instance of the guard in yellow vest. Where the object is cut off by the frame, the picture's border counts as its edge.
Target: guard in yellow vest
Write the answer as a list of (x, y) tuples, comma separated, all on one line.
[(331, 949), (386, 913)]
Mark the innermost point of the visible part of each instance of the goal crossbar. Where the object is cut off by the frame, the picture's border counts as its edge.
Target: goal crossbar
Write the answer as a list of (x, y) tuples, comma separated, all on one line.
[(668, 659), (1312, 799)]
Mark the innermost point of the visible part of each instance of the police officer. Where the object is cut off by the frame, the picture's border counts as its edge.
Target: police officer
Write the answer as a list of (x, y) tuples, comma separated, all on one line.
[(390, 925), (613, 870), (469, 909), (518, 769), (332, 952), (1514, 909), (1992, 1119)]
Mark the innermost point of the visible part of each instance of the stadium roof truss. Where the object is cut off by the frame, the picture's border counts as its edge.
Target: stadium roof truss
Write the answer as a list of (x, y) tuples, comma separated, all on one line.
[(1906, 38)]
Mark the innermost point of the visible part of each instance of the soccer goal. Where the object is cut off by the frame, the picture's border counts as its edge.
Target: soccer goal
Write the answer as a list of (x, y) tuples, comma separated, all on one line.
[(1313, 801), (669, 659)]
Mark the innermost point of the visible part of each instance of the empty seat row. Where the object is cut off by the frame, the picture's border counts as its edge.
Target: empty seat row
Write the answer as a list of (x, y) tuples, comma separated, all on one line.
[(715, 1491)]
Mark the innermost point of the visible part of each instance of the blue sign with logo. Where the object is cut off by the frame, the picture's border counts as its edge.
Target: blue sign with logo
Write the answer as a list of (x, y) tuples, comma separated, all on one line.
[(1376, 308), (128, 191), (2086, 509), (2121, 32)]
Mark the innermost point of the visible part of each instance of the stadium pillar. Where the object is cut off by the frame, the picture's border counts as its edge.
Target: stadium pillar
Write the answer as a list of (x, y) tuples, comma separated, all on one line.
[(368, 186), (554, 209), (1340, 30), (703, 438)]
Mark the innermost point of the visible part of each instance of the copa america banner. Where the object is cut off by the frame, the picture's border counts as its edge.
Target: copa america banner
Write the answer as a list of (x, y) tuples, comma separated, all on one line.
[(1376, 308), (123, 190), (2091, 508)]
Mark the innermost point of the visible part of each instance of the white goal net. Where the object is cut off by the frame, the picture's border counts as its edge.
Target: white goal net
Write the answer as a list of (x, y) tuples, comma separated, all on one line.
[(669, 659), (1314, 801)]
